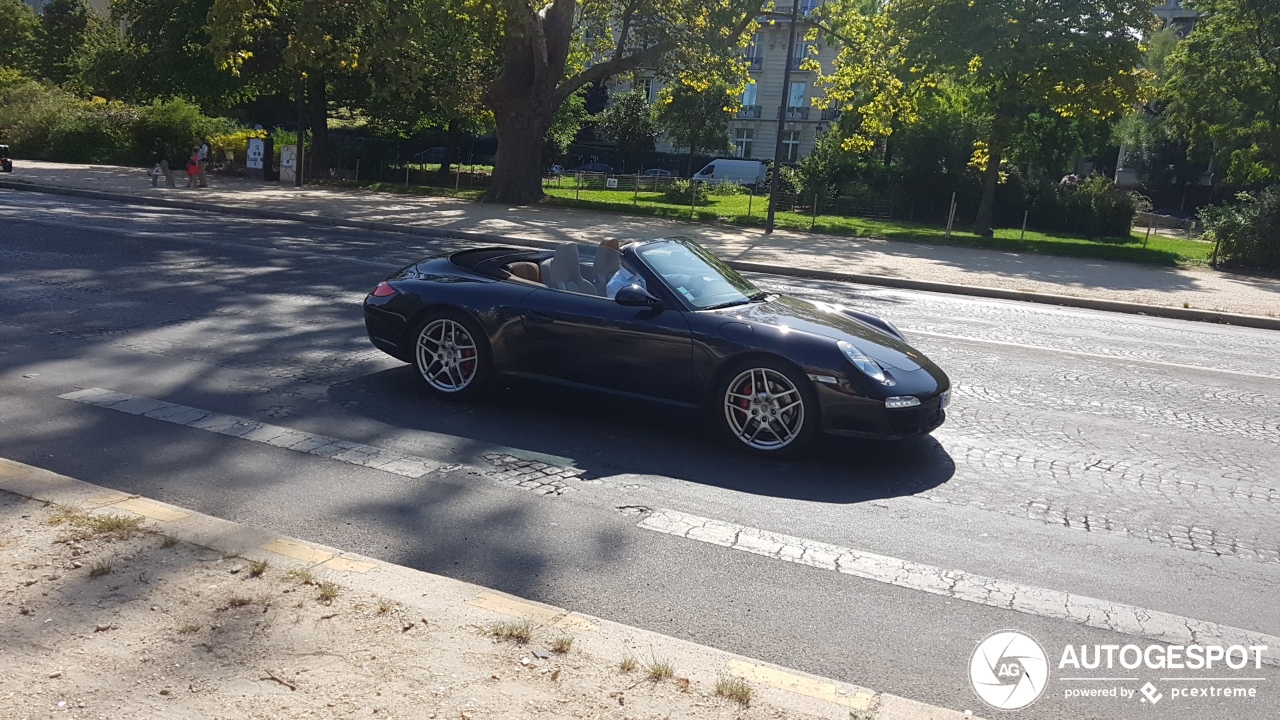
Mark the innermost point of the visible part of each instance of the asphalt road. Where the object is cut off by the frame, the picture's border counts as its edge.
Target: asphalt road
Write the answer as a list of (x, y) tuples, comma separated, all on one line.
[(1117, 457)]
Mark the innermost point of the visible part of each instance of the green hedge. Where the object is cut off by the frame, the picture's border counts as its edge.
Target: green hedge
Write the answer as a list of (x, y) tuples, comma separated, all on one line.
[(43, 122), (1248, 233)]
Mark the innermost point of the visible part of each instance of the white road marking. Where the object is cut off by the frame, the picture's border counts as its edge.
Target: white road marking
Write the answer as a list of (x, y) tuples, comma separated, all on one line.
[(1084, 353), (410, 466), (961, 585)]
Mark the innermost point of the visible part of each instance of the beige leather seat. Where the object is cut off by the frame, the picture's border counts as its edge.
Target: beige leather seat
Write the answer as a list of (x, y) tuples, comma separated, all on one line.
[(608, 262), (526, 271)]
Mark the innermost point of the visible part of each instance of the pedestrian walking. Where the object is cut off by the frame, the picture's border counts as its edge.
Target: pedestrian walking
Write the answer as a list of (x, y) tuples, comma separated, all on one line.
[(193, 167), (162, 156), (203, 164)]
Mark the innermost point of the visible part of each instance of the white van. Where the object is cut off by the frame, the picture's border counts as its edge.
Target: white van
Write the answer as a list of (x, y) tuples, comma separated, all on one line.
[(742, 172)]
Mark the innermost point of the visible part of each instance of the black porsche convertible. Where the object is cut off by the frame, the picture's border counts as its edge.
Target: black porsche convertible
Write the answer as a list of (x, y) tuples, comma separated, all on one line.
[(663, 320)]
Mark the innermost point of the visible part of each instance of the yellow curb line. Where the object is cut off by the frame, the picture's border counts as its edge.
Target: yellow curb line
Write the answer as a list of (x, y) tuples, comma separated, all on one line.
[(541, 614), (298, 551), (343, 564), (816, 689), (150, 509)]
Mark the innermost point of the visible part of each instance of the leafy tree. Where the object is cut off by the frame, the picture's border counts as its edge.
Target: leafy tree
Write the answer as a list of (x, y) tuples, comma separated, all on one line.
[(166, 54), (697, 116), (566, 125), (65, 24), (1075, 57), (427, 62), (628, 122), (550, 50), (19, 37), (292, 46), (1224, 87)]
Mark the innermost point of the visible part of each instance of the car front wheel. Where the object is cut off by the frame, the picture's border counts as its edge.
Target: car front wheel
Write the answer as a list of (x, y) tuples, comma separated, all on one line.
[(451, 355), (768, 408)]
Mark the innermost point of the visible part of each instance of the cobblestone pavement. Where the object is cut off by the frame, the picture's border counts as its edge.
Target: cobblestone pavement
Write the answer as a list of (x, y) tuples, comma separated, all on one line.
[(1197, 288), (1162, 431)]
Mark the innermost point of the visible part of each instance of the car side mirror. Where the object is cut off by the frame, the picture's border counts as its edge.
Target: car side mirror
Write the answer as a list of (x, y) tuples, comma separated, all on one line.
[(636, 296)]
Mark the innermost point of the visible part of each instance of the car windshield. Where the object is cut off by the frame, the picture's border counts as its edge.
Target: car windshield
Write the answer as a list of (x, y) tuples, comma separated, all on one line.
[(697, 275)]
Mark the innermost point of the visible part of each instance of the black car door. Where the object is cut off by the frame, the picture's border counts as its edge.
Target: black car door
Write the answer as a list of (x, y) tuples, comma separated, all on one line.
[(594, 340)]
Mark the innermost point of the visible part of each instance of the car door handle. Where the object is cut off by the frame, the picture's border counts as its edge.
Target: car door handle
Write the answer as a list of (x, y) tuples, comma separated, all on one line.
[(541, 317)]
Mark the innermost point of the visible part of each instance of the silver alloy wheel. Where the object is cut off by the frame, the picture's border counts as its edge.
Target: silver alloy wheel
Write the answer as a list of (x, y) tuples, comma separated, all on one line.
[(764, 409), (447, 356)]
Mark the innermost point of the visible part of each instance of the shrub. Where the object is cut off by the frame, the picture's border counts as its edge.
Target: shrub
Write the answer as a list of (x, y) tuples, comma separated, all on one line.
[(1093, 207), (681, 192), (724, 189), (1248, 233)]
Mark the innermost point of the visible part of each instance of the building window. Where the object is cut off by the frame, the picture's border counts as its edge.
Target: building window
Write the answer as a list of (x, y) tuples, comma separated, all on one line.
[(649, 88), (791, 142), (801, 52), (749, 94), (796, 98), (742, 142)]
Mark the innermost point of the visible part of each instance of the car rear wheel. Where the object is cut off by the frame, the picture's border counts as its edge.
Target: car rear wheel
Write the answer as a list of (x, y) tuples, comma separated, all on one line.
[(451, 355), (768, 408)]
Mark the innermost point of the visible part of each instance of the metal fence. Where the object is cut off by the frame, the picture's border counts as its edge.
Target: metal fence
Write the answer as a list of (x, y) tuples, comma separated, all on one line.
[(1168, 225)]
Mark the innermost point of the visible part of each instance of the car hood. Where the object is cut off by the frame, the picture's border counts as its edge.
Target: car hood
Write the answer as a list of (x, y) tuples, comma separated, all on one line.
[(827, 320)]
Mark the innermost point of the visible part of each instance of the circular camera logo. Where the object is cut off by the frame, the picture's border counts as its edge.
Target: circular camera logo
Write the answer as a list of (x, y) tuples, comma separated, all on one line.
[(1009, 670)]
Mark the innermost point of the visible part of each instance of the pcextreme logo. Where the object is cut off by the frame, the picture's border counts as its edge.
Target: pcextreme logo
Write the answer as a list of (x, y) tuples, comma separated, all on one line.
[(1009, 670)]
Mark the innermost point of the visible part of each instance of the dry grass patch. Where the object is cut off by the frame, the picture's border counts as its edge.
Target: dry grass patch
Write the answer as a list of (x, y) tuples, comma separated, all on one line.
[(517, 632), (328, 591), (627, 664), (661, 670), (189, 629), (302, 575), (562, 645), (102, 568), (87, 526), (236, 601), (258, 568), (385, 606), (735, 689)]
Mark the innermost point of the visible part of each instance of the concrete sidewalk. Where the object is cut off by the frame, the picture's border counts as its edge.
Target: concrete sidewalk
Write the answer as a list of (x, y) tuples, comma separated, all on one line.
[(1201, 289), (83, 623)]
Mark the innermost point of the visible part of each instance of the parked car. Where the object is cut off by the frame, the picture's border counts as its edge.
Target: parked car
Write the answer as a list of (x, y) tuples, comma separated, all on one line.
[(596, 167), (742, 172), (658, 172), (661, 319), (6, 163), (430, 155), (557, 169)]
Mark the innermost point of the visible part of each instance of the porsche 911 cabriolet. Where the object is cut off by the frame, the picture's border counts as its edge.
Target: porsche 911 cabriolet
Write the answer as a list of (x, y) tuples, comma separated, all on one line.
[(663, 320)]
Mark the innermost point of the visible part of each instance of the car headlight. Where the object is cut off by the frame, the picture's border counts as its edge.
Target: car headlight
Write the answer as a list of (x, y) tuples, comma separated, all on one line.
[(868, 366)]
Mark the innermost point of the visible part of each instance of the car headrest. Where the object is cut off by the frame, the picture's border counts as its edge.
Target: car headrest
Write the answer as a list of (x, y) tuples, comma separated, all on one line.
[(564, 265), (608, 261), (526, 271)]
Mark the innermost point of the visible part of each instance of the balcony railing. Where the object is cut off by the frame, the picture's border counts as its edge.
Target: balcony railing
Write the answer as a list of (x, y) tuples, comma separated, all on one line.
[(797, 62), (754, 63), (798, 113), (830, 114), (749, 112)]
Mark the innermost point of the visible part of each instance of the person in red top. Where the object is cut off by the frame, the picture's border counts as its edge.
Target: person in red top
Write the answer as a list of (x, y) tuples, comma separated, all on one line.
[(193, 167)]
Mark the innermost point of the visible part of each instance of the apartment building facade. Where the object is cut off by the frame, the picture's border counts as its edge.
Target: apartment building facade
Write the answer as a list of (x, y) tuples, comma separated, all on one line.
[(753, 133)]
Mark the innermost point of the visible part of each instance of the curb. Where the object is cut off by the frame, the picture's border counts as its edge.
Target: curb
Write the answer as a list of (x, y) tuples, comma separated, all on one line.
[(1118, 306), (437, 595)]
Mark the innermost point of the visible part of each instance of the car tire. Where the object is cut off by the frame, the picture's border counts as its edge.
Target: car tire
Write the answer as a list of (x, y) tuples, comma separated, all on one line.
[(452, 356), (766, 407)]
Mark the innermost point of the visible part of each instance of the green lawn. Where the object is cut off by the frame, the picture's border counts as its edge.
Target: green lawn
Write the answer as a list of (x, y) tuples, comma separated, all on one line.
[(743, 210)]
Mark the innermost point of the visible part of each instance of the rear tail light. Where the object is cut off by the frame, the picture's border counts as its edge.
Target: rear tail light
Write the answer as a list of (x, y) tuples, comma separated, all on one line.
[(384, 290)]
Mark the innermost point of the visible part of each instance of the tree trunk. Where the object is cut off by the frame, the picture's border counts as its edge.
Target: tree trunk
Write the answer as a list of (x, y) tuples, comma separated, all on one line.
[(990, 178), (450, 149), (517, 169), (318, 93)]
